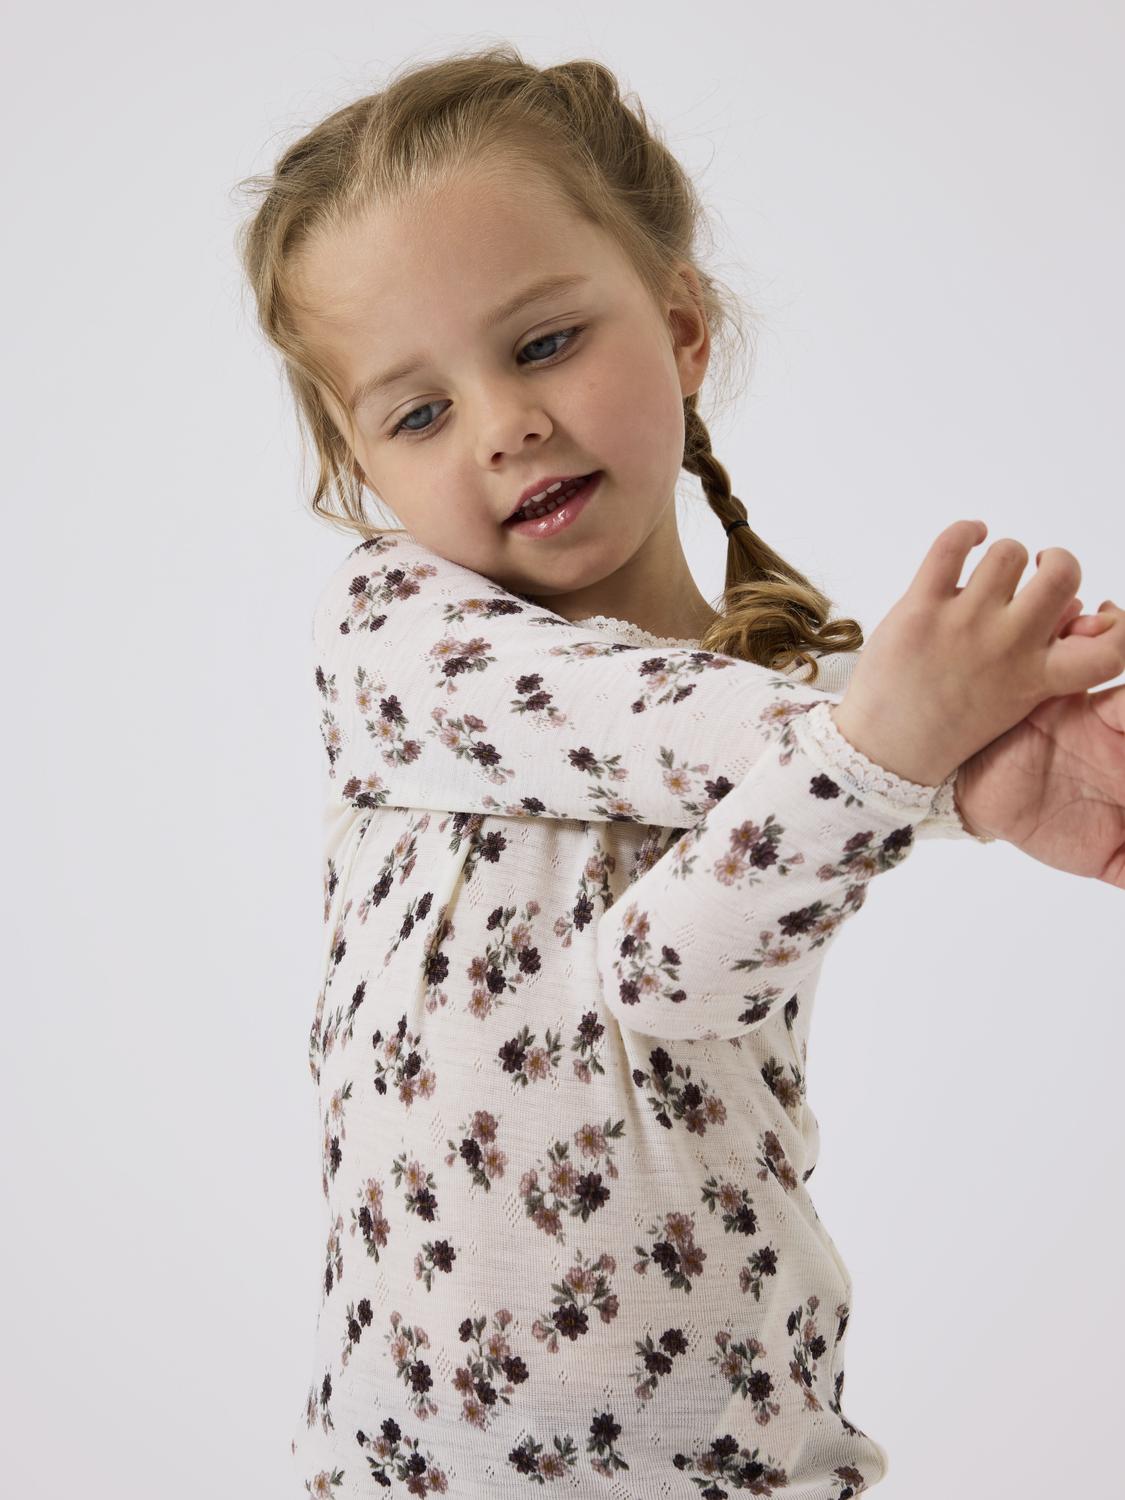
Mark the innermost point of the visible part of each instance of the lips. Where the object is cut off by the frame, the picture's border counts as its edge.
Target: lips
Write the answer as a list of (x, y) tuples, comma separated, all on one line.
[(549, 522), (544, 484)]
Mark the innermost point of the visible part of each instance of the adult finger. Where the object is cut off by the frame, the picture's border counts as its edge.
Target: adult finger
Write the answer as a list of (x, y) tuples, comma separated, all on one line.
[(1078, 662)]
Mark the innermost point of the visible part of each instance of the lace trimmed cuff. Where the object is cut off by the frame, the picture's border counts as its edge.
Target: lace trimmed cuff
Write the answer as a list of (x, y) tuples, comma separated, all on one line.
[(864, 776), (946, 817)]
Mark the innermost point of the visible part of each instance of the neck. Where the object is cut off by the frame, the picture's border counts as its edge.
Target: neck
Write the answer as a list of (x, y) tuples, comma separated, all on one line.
[(654, 589)]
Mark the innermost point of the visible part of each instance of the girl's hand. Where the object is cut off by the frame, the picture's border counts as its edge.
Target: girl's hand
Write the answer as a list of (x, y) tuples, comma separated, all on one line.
[(950, 670), (1054, 784)]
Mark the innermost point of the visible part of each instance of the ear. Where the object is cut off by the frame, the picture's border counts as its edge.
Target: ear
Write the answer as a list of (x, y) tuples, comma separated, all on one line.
[(691, 337)]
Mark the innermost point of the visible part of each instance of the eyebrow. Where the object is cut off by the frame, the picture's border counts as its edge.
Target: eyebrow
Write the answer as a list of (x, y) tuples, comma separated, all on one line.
[(546, 286)]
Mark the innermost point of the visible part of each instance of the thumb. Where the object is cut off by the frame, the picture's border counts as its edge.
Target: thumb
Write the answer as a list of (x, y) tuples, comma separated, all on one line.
[(1074, 622), (1109, 705)]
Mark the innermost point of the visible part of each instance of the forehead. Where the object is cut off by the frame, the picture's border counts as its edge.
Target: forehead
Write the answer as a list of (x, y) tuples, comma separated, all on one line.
[(458, 247)]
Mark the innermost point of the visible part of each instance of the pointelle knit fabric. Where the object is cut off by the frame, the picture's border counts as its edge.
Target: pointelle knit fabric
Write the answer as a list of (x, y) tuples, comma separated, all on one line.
[(579, 883)]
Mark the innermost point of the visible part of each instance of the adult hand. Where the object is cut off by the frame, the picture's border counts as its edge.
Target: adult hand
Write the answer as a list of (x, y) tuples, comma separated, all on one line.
[(1054, 784)]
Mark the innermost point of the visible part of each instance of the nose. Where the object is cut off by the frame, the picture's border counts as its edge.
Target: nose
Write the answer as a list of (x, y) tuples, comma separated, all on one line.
[(509, 416)]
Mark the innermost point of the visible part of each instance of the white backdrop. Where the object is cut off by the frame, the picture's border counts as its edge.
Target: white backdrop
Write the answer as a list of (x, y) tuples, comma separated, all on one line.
[(924, 202)]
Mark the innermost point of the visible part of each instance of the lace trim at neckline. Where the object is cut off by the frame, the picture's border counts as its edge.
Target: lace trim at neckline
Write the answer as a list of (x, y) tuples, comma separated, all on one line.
[(635, 632)]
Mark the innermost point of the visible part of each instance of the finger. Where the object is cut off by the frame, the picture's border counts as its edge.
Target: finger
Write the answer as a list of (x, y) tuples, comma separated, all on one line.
[(1077, 662), (1057, 576), (1070, 614), (941, 567), (1109, 705), (1108, 616), (997, 574), (1087, 625)]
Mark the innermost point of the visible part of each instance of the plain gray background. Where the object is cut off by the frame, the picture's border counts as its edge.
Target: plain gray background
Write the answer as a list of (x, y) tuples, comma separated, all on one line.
[(924, 203)]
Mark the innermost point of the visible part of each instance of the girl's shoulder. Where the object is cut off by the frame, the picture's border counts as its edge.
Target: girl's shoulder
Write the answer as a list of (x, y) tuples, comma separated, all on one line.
[(391, 569)]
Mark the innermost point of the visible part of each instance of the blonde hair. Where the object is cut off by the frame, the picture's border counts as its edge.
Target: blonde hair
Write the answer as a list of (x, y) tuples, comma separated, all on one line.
[(571, 123)]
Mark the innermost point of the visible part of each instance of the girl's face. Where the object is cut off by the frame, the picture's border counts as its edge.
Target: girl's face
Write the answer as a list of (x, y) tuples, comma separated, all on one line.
[(583, 378)]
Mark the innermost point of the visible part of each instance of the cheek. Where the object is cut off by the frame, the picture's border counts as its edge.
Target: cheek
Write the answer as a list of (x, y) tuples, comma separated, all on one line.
[(634, 399)]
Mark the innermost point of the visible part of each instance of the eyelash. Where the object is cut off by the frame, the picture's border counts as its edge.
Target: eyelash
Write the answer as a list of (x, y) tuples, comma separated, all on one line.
[(572, 336)]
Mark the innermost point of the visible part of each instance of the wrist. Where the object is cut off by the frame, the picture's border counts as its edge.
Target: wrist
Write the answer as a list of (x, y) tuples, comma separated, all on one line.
[(890, 752), (969, 827)]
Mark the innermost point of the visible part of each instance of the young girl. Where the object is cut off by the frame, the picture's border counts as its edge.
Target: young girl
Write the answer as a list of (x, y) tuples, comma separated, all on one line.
[(589, 840)]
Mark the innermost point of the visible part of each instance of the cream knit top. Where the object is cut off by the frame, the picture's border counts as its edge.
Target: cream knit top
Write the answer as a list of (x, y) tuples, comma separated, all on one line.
[(578, 886)]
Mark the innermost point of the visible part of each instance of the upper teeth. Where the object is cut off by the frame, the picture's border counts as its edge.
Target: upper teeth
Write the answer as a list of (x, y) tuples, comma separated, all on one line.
[(550, 490)]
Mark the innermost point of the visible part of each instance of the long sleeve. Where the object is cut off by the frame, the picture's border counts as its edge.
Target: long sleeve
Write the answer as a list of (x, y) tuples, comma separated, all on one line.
[(734, 917), (440, 690)]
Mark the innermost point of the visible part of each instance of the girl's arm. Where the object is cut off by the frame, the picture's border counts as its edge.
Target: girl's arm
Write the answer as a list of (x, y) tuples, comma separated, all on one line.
[(439, 689), (712, 940)]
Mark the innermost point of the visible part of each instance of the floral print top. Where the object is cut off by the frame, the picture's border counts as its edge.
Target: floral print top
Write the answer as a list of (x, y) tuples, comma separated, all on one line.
[(578, 888)]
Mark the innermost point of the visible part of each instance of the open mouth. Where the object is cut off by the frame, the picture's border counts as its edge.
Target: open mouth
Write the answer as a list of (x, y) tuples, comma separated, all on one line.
[(552, 502)]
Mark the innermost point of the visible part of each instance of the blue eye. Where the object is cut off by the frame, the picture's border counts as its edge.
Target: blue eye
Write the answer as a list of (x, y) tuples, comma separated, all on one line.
[(571, 335)]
